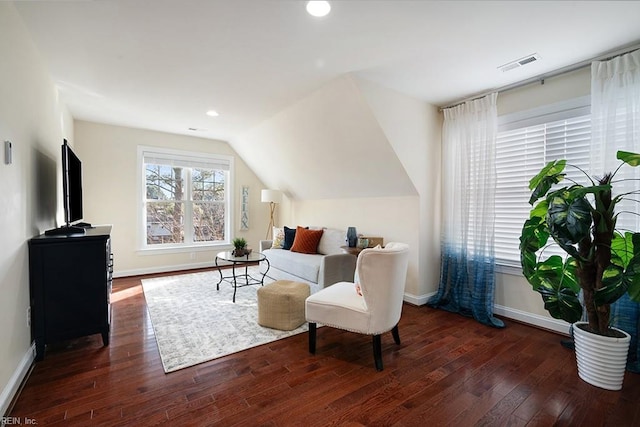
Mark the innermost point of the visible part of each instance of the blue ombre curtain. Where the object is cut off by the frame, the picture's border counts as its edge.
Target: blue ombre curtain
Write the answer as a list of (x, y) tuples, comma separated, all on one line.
[(615, 125), (467, 270)]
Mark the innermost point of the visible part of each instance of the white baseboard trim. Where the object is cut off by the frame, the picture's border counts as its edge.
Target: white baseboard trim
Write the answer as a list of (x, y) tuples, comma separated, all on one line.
[(532, 319), (16, 379), (417, 299), (162, 269), (555, 325)]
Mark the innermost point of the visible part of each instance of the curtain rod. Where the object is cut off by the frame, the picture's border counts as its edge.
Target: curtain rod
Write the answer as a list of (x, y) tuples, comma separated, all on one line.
[(541, 77)]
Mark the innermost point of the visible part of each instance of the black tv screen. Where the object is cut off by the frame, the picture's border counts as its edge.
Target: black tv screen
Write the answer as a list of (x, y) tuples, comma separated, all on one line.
[(71, 185)]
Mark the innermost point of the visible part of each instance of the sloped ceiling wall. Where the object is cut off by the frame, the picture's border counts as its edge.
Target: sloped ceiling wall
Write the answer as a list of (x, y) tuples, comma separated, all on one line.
[(328, 145)]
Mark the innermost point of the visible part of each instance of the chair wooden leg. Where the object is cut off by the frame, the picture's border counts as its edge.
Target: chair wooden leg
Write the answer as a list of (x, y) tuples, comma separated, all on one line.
[(377, 352), (312, 338), (396, 334)]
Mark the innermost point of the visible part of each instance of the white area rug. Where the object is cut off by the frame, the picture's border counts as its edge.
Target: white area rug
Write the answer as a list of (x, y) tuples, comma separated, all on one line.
[(194, 323)]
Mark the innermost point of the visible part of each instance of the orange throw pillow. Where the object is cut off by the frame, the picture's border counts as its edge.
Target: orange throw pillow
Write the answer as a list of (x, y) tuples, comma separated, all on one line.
[(306, 241)]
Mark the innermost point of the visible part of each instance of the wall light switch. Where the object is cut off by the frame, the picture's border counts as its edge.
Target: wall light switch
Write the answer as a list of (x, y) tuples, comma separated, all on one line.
[(7, 152)]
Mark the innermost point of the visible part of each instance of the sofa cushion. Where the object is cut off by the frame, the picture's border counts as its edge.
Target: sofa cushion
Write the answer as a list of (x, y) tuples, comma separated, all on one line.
[(305, 266), (306, 241), (278, 238), (331, 241), (289, 236)]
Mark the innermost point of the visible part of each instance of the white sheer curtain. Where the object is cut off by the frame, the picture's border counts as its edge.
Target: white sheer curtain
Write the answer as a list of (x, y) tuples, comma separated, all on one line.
[(467, 276), (615, 125), (615, 110)]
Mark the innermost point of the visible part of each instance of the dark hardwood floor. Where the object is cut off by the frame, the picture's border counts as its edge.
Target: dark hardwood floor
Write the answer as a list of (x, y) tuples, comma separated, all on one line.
[(449, 370)]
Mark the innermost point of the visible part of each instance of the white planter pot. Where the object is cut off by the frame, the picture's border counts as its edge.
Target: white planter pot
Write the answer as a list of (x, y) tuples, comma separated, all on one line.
[(601, 360)]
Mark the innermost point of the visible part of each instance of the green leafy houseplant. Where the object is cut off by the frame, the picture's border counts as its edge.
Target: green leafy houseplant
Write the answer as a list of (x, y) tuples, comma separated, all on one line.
[(240, 245), (601, 261)]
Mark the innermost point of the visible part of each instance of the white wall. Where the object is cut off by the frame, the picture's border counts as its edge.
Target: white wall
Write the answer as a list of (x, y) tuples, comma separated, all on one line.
[(356, 154), (34, 120), (513, 295), (413, 129), (322, 146), (109, 160), (396, 219)]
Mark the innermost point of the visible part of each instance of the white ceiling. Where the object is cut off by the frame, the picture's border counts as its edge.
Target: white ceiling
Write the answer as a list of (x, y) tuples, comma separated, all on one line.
[(161, 64)]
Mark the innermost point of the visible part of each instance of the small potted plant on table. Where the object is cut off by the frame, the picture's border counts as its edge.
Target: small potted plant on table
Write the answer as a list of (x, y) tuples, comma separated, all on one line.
[(601, 262), (240, 247)]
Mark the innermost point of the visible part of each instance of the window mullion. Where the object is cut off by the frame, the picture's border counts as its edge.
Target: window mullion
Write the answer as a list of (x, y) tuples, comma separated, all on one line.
[(188, 206)]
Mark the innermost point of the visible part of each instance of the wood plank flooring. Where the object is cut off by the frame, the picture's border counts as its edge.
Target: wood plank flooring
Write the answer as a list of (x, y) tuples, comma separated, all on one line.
[(449, 370)]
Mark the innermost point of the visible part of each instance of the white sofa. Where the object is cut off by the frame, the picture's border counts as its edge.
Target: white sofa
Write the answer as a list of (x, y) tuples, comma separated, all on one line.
[(330, 265)]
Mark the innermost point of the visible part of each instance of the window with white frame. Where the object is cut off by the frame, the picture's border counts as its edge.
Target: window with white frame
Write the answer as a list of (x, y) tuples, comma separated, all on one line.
[(186, 198), (526, 142)]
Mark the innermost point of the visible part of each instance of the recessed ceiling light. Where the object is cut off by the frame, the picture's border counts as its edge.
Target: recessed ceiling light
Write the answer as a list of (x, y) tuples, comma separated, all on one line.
[(212, 113), (318, 8)]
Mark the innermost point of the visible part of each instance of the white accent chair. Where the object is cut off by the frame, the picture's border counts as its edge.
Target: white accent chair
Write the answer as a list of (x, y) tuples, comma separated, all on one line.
[(381, 274)]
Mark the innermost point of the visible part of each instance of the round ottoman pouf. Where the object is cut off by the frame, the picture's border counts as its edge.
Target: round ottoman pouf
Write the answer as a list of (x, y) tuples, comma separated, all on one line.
[(281, 304)]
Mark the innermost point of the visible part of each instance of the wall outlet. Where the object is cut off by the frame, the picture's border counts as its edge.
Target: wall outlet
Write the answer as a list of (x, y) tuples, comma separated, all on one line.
[(193, 255), (29, 316)]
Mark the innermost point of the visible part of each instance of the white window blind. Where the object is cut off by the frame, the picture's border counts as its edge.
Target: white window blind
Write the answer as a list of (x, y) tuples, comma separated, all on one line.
[(527, 141), (520, 154)]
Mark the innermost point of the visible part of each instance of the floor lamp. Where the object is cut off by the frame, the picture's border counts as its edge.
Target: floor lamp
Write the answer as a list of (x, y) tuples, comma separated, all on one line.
[(272, 197)]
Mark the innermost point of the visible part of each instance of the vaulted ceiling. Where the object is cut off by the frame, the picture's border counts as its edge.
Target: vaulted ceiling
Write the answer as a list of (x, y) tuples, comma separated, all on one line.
[(161, 64)]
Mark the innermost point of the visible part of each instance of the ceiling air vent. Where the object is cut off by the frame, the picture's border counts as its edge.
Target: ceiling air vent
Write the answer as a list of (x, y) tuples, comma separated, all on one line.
[(519, 63)]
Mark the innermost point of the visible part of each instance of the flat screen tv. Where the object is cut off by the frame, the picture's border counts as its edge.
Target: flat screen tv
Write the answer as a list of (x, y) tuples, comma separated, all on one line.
[(71, 194), (71, 185)]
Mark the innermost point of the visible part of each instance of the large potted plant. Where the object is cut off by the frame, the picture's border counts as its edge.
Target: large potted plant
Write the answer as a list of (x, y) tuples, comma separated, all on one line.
[(600, 261)]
